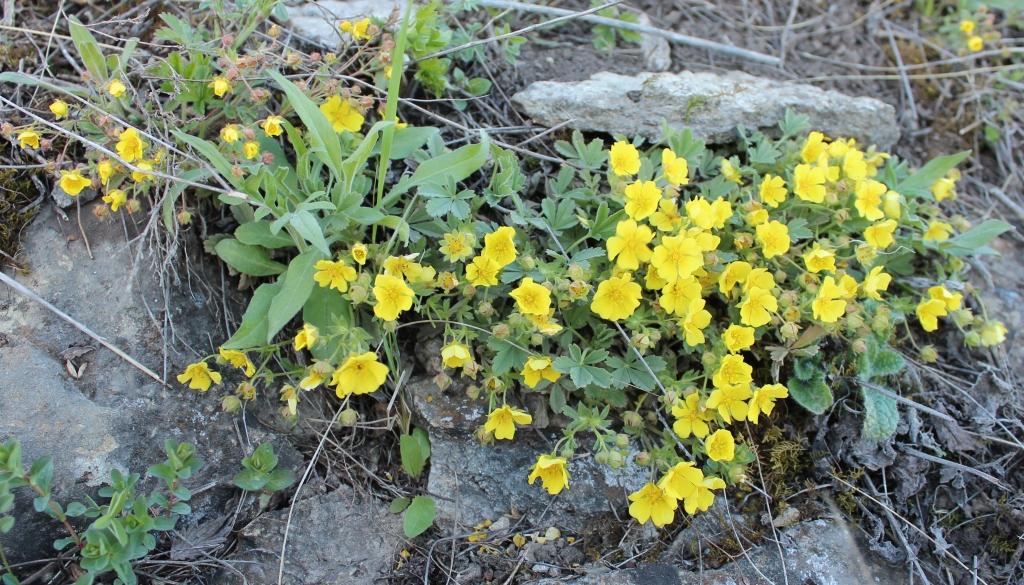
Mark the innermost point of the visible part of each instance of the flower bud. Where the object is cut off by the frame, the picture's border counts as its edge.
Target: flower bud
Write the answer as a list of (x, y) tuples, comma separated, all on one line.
[(643, 459), (348, 417), (485, 309), (473, 391), (929, 354), (358, 293), (527, 262), (621, 440), (230, 404), (789, 331), (615, 459), (632, 418), (246, 391), (972, 339), (501, 330), (859, 346), (962, 317)]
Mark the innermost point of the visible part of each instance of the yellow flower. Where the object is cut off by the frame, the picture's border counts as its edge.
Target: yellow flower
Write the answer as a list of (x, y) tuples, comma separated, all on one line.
[(544, 323), (737, 338), (818, 259), (359, 253), (763, 400), (891, 205), (404, 267), (142, 174), (334, 274), (854, 166), (393, 296), (677, 257), (457, 246), (538, 368), (676, 296), (869, 199), (616, 298), (675, 168), (681, 480), (667, 218), (360, 30), (552, 473), (703, 498), (880, 234), (992, 333), (975, 44), (482, 271), (690, 418), (290, 396), (230, 133), (531, 298), (759, 278), (700, 212), (220, 85), (875, 281), (624, 159), (757, 216), (500, 246), (306, 337), (251, 149), (116, 88), (652, 503), (272, 126), (360, 374), (730, 172), (105, 169), (238, 359), (967, 26), (773, 237), (732, 372), (944, 188), (341, 114), (809, 183), (130, 146), (757, 307), (316, 375), (938, 231), (720, 446), (456, 355), (928, 313), (629, 245), (502, 421), (199, 376), (813, 147), (734, 273), (28, 139), (642, 198), (721, 211), (694, 322), (773, 190), (952, 300), (72, 182), (829, 305), (59, 109), (115, 198)]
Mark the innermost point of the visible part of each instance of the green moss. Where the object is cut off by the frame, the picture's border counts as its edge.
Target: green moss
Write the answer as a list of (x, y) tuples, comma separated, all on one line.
[(17, 192)]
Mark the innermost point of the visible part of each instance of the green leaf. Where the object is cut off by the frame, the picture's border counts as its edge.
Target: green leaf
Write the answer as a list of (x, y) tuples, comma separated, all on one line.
[(250, 480), (408, 140), (976, 240), (33, 81), (880, 414), (507, 357), (6, 523), (419, 516), (398, 505), (413, 457), (364, 215), (251, 260), (258, 233), (920, 183), (75, 509), (322, 136), (296, 286), (88, 50), (813, 394), (213, 155), (455, 165), (253, 330), (280, 479)]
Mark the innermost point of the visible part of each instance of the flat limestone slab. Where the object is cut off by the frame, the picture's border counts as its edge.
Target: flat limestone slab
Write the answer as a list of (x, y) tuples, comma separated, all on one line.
[(709, 104)]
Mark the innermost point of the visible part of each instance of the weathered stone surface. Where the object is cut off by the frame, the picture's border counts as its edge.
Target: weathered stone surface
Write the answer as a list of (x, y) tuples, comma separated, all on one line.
[(655, 49), (482, 482), (334, 539), (823, 552), (318, 21), (112, 416), (709, 104)]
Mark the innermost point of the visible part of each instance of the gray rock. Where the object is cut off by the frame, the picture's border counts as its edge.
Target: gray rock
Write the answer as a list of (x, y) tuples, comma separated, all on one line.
[(655, 48), (711, 105), (334, 539), (318, 21), (823, 552), (482, 482), (111, 415)]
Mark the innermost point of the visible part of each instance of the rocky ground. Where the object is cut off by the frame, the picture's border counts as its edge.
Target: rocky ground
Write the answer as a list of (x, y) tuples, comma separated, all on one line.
[(63, 393)]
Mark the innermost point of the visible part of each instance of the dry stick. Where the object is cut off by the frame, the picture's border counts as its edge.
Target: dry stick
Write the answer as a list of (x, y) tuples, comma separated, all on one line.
[(965, 468), (18, 287), (640, 28), (567, 15)]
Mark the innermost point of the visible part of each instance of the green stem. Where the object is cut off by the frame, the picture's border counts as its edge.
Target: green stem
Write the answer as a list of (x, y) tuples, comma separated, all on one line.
[(7, 565)]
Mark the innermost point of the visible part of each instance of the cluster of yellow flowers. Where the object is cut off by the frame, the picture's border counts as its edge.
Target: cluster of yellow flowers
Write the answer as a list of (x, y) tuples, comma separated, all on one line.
[(716, 277)]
